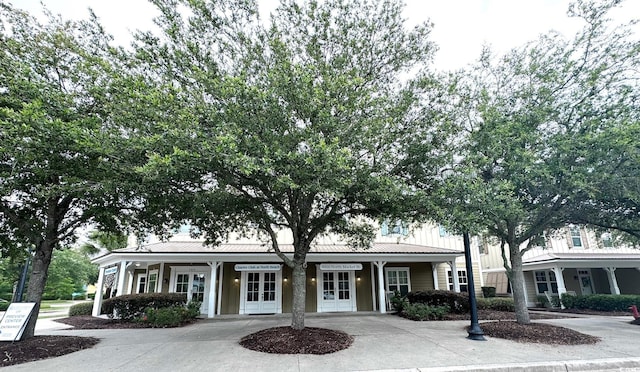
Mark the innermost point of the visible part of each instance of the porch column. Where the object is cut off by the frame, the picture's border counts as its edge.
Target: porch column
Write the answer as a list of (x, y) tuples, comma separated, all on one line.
[(434, 273), (454, 276), (219, 305), (97, 300), (560, 282), (613, 281), (130, 282), (373, 289), (382, 296), (122, 270), (161, 278), (212, 289)]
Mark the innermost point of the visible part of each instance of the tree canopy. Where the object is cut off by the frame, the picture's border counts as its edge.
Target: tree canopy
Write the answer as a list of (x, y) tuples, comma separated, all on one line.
[(547, 131), (61, 162), (290, 124)]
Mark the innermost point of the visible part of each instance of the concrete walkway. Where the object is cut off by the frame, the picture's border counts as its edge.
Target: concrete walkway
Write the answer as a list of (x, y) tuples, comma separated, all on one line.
[(382, 342)]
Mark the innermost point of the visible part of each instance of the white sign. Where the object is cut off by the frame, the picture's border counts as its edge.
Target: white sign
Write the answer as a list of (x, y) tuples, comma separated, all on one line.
[(111, 270), (15, 320), (257, 267), (340, 266)]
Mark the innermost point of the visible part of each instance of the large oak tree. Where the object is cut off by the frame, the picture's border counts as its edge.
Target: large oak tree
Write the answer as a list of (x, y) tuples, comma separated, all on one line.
[(291, 123)]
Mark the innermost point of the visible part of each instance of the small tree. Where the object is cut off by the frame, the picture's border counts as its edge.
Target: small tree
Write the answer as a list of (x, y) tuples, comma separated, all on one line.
[(532, 125)]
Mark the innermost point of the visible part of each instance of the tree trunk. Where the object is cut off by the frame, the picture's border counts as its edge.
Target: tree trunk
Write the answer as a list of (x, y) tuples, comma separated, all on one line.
[(37, 282), (299, 282), (517, 284)]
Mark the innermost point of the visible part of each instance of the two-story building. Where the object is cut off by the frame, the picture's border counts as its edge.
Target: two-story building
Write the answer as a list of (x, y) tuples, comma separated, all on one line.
[(242, 276), (576, 260)]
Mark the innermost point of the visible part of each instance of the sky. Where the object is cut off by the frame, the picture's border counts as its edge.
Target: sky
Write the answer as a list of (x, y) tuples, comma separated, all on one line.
[(461, 27)]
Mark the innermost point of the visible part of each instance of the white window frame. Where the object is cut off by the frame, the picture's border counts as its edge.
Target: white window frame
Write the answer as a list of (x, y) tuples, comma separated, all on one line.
[(140, 277), (547, 280), (397, 269), (149, 273), (575, 233), (463, 280)]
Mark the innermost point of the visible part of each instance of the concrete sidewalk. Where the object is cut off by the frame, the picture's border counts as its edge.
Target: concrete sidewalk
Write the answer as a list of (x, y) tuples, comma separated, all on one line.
[(382, 342)]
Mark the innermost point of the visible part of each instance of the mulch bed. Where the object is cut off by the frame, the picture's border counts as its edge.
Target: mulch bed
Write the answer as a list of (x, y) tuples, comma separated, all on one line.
[(91, 322), (42, 347), (499, 315), (286, 340), (536, 333)]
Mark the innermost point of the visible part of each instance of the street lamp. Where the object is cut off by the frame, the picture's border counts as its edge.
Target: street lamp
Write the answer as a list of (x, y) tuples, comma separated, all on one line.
[(475, 332)]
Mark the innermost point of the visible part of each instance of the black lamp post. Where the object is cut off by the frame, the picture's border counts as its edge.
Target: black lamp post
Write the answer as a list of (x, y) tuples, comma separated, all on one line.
[(23, 280), (475, 332)]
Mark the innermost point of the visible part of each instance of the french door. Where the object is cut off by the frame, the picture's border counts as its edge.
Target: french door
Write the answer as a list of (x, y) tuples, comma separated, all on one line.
[(261, 292), (336, 291), (194, 285)]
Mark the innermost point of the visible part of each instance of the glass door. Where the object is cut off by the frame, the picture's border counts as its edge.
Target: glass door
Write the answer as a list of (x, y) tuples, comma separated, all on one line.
[(261, 292), (337, 291)]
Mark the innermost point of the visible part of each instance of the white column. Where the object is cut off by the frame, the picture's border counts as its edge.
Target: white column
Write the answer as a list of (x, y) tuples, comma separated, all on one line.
[(212, 289), (373, 289), (130, 282), (121, 274), (434, 272), (161, 279), (97, 300), (220, 288), (559, 282), (454, 276), (382, 296), (613, 281)]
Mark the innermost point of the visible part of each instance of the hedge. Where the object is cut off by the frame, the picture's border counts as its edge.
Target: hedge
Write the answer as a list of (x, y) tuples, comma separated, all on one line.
[(130, 307), (600, 302), (458, 303), (83, 308), (420, 311), (4, 306), (496, 303)]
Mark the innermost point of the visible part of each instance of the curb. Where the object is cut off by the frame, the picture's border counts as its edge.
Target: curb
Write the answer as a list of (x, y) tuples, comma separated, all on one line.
[(609, 364)]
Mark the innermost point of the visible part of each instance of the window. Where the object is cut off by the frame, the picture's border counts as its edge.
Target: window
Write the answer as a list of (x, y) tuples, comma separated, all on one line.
[(443, 232), (545, 281), (142, 283), (482, 245), (607, 240), (576, 239), (398, 280), (462, 280), (153, 281), (182, 283), (394, 228)]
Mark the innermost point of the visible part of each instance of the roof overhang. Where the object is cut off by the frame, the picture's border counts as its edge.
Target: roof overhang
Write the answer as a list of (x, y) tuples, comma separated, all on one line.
[(617, 261)]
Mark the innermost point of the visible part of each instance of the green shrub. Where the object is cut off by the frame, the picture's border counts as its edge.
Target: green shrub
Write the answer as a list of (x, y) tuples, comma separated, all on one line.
[(193, 309), (130, 307), (4, 306), (488, 292), (398, 301), (456, 302), (600, 302), (163, 317), (420, 311), (171, 316), (83, 308), (496, 303)]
